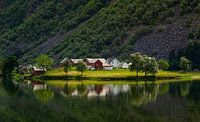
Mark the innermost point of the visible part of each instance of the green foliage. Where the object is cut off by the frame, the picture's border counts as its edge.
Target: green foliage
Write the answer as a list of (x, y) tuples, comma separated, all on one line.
[(81, 67), (188, 6), (163, 64), (9, 65), (143, 63), (44, 61), (173, 61), (1, 64), (150, 66), (137, 61), (191, 52), (66, 67), (184, 64), (107, 22)]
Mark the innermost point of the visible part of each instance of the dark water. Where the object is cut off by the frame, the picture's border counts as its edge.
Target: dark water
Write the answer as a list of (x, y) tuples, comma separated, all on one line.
[(150, 102)]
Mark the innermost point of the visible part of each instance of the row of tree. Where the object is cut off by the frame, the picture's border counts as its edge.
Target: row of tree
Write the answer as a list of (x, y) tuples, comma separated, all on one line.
[(80, 66), (149, 65), (143, 63)]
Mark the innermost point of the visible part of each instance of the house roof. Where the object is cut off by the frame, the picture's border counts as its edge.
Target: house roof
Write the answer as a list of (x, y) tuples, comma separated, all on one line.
[(64, 60), (38, 69), (103, 60), (75, 61)]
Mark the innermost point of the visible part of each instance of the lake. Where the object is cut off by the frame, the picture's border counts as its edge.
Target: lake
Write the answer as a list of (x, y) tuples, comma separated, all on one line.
[(139, 102)]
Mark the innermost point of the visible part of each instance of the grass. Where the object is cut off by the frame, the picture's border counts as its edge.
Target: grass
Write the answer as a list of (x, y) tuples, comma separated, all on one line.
[(59, 78), (116, 73)]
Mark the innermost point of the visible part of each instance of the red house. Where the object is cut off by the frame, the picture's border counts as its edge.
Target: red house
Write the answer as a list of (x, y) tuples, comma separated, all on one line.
[(96, 63)]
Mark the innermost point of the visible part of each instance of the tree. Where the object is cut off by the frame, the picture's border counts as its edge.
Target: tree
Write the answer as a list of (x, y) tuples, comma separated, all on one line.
[(150, 66), (137, 61), (184, 64), (66, 67), (81, 67), (1, 64), (9, 65), (44, 61), (163, 64)]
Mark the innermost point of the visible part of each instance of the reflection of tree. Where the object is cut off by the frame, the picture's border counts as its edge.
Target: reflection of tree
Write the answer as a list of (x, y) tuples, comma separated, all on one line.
[(81, 89), (8, 66), (67, 89), (9, 86), (185, 89), (2, 90), (44, 95), (163, 89), (143, 94)]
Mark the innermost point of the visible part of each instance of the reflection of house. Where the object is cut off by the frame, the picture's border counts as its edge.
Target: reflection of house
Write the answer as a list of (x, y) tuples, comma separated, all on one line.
[(37, 71), (36, 85), (75, 92)]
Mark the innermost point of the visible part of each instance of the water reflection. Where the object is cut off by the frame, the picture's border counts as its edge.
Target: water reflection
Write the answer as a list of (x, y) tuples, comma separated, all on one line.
[(103, 102), (139, 94)]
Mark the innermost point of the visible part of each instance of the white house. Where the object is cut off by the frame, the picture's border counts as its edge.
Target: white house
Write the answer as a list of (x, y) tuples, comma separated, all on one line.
[(124, 65), (114, 62)]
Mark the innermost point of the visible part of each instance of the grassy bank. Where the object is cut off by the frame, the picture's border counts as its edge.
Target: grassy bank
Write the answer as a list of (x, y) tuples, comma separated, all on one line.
[(59, 74)]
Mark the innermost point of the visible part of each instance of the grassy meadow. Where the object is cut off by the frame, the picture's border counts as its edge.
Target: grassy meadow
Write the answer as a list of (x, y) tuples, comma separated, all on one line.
[(116, 76), (116, 73)]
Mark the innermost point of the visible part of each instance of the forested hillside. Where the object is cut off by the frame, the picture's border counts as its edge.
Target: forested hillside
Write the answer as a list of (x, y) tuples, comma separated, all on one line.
[(96, 28)]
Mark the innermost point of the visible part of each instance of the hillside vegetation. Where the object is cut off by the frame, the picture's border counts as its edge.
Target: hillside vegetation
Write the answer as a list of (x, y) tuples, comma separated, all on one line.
[(96, 28)]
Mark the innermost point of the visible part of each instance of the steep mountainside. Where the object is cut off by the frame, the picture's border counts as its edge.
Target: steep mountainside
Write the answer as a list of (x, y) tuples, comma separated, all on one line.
[(96, 28)]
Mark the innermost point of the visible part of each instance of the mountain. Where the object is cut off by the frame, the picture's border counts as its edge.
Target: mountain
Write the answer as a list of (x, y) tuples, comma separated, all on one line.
[(96, 28)]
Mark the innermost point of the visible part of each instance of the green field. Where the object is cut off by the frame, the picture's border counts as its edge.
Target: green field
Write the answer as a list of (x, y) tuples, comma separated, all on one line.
[(118, 74)]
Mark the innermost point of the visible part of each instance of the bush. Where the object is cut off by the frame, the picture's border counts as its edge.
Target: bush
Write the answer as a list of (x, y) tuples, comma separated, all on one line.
[(163, 64)]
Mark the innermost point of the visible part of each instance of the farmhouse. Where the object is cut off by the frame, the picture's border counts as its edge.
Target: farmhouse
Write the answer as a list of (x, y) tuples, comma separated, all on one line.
[(37, 71), (63, 61), (124, 65), (74, 61), (114, 62), (98, 63)]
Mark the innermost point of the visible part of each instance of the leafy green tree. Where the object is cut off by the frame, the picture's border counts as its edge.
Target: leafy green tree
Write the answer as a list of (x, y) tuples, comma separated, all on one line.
[(163, 64), (1, 64), (44, 61), (137, 61), (184, 64), (66, 67), (81, 67), (9, 65), (150, 66)]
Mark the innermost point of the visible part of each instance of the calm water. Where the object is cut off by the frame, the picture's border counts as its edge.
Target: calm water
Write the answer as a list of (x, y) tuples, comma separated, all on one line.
[(34, 101)]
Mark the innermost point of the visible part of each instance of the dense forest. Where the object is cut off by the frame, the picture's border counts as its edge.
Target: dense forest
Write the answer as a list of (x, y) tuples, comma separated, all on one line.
[(97, 28)]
